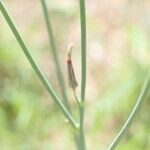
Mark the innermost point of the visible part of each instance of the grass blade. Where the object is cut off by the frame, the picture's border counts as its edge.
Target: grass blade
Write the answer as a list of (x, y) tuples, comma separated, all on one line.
[(35, 67), (55, 54), (133, 114)]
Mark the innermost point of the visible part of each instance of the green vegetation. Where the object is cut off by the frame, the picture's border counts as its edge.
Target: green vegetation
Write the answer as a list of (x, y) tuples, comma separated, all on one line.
[(117, 65)]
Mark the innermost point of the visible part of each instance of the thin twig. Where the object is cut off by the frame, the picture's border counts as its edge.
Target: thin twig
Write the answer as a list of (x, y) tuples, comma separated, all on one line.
[(133, 114), (35, 67)]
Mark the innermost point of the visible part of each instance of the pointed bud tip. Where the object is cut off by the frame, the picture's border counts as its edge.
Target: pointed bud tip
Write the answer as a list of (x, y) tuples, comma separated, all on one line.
[(70, 48)]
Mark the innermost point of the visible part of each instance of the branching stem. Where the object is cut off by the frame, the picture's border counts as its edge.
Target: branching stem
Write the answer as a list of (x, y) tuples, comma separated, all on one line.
[(55, 54), (36, 68)]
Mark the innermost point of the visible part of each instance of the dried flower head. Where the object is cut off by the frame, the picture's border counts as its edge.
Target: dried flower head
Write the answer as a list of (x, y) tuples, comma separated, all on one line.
[(71, 75)]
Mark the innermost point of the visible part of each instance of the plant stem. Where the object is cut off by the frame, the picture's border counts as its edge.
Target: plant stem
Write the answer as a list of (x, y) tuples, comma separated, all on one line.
[(55, 54), (57, 63), (76, 98), (83, 48), (133, 114), (36, 68), (82, 145), (83, 72)]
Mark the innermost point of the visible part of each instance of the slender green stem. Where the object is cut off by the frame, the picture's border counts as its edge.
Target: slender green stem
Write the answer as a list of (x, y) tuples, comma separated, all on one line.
[(83, 72), (57, 63), (76, 98), (133, 114), (79, 135), (81, 130), (35, 67), (83, 48), (55, 54)]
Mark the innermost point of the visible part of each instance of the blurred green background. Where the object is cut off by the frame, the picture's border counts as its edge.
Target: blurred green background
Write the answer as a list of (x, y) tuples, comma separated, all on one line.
[(118, 59)]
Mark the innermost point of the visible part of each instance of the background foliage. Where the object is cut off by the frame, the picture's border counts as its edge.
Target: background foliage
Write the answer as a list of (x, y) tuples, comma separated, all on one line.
[(118, 59)]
